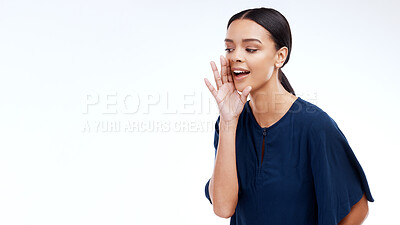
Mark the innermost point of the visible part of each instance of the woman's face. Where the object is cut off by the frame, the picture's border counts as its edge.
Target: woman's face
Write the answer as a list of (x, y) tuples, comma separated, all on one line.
[(257, 55)]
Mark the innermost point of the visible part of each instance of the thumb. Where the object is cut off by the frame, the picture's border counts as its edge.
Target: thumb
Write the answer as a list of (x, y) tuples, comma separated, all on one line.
[(245, 93)]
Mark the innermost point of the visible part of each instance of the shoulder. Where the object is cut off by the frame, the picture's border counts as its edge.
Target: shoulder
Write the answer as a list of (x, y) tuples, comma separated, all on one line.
[(315, 118), (322, 128), (310, 113)]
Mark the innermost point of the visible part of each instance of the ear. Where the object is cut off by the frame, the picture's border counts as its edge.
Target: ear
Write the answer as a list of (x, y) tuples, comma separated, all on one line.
[(281, 55)]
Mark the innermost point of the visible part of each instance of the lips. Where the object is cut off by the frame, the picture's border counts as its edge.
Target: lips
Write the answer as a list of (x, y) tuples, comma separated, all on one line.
[(240, 73), (241, 76), (238, 69)]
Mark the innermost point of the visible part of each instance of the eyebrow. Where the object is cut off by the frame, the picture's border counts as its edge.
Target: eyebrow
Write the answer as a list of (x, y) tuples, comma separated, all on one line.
[(243, 40)]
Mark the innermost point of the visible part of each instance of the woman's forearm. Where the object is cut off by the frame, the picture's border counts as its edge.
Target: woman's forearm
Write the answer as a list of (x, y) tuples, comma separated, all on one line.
[(223, 186)]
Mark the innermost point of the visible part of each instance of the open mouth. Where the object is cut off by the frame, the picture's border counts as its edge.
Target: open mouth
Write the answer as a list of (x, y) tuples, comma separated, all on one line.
[(240, 74)]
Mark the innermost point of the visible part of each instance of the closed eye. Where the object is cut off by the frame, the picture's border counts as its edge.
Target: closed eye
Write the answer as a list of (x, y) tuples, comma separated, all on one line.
[(247, 49)]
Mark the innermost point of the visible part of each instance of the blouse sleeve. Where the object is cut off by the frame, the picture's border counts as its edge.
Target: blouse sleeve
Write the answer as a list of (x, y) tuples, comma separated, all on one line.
[(216, 138), (339, 179)]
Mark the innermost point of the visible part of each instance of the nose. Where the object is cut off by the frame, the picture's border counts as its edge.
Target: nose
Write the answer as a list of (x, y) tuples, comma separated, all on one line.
[(236, 56), (233, 60)]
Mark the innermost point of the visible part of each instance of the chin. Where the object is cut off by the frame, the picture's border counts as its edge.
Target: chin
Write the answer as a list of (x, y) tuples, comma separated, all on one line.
[(240, 87)]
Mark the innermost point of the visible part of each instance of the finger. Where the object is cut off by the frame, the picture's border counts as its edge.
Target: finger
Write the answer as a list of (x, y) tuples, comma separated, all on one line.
[(210, 87), (245, 93), (217, 77), (223, 70), (230, 76)]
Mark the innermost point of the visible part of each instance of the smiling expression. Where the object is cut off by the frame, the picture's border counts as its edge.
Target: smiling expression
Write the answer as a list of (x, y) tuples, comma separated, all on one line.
[(249, 47)]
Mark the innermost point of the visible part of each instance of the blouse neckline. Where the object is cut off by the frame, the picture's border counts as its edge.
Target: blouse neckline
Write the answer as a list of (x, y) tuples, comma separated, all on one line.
[(277, 122)]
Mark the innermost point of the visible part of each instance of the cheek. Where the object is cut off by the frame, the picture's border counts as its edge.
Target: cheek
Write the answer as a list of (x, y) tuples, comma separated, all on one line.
[(264, 72), (262, 61), (263, 65)]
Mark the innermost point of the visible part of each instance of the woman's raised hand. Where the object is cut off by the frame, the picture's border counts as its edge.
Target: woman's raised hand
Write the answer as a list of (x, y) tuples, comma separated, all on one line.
[(230, 101)]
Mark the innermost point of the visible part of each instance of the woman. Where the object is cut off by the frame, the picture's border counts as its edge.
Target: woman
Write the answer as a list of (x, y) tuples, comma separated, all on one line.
[(278, 158)]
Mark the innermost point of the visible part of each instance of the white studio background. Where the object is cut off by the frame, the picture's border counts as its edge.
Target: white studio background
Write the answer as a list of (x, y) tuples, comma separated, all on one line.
[(105, 117)]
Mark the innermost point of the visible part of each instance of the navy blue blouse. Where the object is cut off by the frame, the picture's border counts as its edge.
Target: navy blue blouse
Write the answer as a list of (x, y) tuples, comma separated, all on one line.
[(307, 175)]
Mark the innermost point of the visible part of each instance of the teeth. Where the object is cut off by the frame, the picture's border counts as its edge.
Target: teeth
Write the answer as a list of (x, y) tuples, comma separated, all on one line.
[(239, 71)]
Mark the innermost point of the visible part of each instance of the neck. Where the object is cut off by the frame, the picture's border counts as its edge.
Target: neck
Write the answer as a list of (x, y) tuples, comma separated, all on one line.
[(271, 101)]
